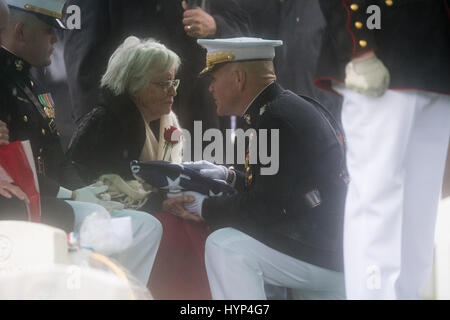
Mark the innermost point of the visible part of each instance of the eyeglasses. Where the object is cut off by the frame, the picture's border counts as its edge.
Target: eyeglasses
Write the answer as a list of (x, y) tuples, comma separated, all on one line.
[(166, 85)]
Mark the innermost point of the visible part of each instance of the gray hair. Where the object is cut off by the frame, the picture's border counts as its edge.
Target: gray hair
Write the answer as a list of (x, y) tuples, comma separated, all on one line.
[(133, 65)]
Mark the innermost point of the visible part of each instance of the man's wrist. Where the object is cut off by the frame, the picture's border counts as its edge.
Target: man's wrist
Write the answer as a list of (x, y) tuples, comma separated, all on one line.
[(231, 178), (364, 56), (64, 193)]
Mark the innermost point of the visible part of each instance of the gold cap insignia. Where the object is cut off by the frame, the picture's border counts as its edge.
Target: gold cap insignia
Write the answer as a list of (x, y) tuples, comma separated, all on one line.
[(213, 59), (43, 11)]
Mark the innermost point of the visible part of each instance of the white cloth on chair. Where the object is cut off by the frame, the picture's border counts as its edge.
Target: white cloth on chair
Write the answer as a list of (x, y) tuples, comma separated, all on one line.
[(139, 257)]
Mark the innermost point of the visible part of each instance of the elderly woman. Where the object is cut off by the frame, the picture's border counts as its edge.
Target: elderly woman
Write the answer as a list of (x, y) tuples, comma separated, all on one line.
[(138, 88)]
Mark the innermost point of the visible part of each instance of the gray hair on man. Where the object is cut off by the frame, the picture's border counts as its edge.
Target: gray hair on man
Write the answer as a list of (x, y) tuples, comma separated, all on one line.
[(133, 65)]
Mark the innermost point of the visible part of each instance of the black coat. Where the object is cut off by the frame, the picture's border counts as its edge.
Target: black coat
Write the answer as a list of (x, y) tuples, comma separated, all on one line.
[(273, 209), (29, 119), (108, 138), (413, 42), (106, 23)]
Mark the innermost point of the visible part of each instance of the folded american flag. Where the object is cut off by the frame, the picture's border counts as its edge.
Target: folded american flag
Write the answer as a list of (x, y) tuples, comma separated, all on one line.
[(172, 177)]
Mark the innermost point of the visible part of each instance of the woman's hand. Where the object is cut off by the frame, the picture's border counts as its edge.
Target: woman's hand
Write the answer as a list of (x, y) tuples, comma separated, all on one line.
[(176, 205), (7, 190)]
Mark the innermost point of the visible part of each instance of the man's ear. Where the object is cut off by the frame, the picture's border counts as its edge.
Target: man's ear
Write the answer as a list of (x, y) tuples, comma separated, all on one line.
[(241, 78), (19, 32)]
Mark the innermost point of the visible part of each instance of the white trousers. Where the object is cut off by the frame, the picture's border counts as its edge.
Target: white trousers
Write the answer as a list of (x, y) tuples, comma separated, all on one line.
[(238, 266), (147, 232), (397, 146)]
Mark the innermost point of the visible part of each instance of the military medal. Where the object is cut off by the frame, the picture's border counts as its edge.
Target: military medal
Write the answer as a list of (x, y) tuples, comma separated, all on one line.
[(49, 106), (47, 102)]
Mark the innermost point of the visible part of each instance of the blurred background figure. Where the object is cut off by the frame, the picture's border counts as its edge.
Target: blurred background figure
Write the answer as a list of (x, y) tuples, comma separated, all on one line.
[(301, 25), (395, 80)]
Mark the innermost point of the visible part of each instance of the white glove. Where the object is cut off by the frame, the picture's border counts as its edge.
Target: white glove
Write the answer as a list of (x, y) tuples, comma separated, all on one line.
[(367, 75), (194, 207), (208, 169)]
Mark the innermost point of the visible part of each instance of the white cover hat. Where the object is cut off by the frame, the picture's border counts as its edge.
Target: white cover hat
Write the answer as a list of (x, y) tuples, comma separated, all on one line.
[(237, 49)]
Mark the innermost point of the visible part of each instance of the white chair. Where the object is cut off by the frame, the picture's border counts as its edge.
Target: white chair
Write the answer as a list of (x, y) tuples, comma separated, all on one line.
[(35, 264)]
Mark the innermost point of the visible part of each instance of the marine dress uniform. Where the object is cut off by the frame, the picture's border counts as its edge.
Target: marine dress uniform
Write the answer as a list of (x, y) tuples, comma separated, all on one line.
[(397, 140), (285, 228), (26, 122)]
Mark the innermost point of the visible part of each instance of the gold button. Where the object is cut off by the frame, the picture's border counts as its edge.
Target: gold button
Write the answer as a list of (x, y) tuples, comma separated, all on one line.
[(354, 7), (358, 25), (363, 43), (41, 150), (43, 132), (389, 3), (25, 118)]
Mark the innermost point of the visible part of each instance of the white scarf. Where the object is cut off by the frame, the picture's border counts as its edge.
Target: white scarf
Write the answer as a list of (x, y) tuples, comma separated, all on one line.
[(153, 150)]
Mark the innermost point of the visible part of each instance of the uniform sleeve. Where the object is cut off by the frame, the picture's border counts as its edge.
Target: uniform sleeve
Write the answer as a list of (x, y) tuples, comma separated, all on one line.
[(48, 187), (4, 102)]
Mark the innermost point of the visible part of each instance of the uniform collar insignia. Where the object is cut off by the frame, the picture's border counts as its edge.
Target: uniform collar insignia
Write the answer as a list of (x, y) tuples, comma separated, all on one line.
[(19, 65), (261, 103), (263, 109), (248, 119), (9, 62)]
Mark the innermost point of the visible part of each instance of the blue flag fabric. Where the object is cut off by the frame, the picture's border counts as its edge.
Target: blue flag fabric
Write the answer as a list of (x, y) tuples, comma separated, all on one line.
[(172, 177)]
